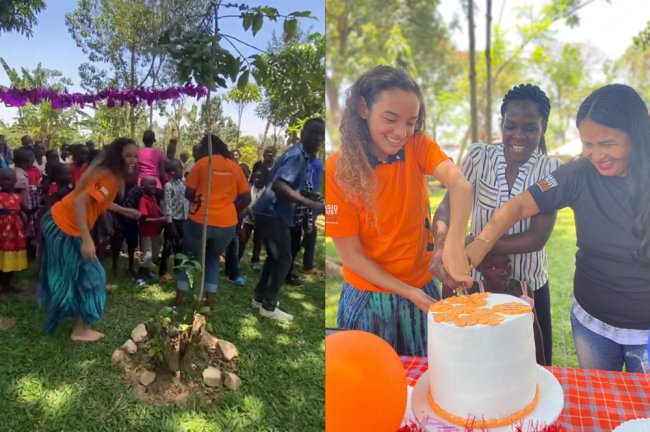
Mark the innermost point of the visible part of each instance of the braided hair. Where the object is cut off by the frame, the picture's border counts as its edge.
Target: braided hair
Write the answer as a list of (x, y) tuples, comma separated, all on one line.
[(532, 93), (618, 106)]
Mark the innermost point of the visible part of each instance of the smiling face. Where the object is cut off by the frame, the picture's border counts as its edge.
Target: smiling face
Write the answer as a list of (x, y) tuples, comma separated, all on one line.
[(130, 157), (522, 129), (607, 149), (497, 272), (258, 179), (391, 120)]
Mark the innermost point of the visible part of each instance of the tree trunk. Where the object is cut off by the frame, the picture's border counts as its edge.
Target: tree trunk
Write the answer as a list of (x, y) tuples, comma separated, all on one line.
[(488, 69), (333, 111), (240, 112), (131, 86), (472, 73)]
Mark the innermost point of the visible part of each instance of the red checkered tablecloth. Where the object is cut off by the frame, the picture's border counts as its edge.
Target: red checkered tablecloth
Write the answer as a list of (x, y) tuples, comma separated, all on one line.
[(593, 400)]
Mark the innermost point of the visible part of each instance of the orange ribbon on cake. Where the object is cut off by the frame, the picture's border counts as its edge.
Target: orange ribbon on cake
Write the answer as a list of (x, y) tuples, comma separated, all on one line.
[(491, 423)]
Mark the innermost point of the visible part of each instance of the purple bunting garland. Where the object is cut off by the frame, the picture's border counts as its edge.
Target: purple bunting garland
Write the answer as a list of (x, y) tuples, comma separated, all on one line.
[(17, 97)]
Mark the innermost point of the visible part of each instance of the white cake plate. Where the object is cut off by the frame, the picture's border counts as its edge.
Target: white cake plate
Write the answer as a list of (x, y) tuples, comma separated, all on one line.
[(548, 409), (638, 425)]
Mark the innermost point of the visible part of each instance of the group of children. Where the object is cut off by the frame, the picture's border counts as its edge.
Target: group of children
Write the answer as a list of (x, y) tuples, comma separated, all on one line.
[(35, 179)]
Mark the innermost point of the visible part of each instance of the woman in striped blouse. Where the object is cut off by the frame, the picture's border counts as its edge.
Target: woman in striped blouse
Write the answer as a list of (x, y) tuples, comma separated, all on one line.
[(498, 173)]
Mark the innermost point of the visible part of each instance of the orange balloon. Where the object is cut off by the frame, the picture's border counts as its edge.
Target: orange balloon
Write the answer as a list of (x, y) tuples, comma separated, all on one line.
[(365, 383)]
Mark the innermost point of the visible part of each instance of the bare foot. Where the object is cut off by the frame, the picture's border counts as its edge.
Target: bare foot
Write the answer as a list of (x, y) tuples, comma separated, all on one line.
[(86, 335)]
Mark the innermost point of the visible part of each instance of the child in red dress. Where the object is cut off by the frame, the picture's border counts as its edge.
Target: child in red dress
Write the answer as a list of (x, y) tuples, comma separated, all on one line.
[(152, 221), (13, 243)]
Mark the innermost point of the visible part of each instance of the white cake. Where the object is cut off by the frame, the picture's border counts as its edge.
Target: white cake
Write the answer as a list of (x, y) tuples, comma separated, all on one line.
[(480, 371)]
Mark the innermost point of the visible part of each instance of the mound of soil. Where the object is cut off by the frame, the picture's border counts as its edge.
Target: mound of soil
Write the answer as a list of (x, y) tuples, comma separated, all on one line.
[(168, 388)]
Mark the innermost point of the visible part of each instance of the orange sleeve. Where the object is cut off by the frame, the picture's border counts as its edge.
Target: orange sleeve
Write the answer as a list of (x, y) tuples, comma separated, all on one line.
[(428, 153), (101, 188), (341, 218)]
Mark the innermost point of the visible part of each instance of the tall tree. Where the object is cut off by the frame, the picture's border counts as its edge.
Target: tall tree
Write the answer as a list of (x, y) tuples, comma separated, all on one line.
[(201, 56), (120, 39), (19, 15), (361, 34), (488, 71), (294, 87), (567, 73), (472, 73), (633, 67), (243, 97), (44, 123), (534, 27)]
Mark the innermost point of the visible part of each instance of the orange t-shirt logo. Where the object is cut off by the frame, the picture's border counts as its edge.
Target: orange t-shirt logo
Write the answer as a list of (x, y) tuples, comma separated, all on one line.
[(547, 183), (332, 213)]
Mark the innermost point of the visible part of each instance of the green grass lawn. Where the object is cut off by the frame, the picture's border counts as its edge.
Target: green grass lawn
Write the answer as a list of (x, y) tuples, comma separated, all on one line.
[(48, 383), (560, 248)]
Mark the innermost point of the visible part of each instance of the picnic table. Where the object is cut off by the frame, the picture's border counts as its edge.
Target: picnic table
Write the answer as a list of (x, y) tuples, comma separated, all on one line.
[(594, 400)]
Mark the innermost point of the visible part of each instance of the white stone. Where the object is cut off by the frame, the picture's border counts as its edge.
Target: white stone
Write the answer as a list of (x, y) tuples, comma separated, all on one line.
[(119, 356), (232, 381), (212, 376), (228, 350), (147, 378), (209, 341), (139, 334), (130, 347)]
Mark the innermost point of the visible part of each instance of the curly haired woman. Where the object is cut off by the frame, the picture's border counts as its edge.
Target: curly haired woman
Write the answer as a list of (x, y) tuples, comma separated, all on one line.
[(377, 210)]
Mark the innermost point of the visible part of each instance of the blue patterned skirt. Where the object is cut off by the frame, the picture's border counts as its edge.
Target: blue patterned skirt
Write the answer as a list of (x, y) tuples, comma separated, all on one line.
[(391, 317), (70, 286)]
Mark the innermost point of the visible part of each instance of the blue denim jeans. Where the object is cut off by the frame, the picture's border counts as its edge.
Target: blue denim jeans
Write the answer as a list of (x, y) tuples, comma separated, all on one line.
[(217, 240), (598, 352)]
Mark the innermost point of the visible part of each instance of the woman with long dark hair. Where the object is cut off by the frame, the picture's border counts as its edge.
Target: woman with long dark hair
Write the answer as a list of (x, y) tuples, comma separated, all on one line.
[(72, 279)]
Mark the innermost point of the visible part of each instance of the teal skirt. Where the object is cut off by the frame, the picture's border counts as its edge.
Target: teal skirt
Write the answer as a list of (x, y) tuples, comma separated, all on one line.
[(69, 286), (389, 316)]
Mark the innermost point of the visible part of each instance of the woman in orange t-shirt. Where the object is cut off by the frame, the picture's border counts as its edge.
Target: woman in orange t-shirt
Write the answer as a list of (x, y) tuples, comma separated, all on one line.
[(72, 280), (229, 196), (377, 210)]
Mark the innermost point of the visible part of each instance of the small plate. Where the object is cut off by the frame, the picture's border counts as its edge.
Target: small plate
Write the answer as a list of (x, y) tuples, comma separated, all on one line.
[(548, 409)]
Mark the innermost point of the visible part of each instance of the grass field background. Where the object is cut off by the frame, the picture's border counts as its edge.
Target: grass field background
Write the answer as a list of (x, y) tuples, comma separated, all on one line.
[(48, 383)]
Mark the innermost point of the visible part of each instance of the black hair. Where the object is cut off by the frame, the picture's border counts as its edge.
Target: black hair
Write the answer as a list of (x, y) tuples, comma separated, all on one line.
[(263, 172), (56, 172), (309, 124), (21, 156), (148, 138), (618, 106), (534, 94), (218, 147)]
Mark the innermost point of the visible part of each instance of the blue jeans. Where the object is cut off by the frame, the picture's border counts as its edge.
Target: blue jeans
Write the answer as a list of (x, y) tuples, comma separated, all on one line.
[(217, 241), (598, 352)]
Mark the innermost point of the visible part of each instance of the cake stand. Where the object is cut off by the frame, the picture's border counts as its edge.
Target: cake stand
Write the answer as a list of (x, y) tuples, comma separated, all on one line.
[(548, 409)]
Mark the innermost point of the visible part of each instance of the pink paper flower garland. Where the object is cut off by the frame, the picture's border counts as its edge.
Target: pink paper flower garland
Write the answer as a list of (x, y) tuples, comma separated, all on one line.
[(17, 97)]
